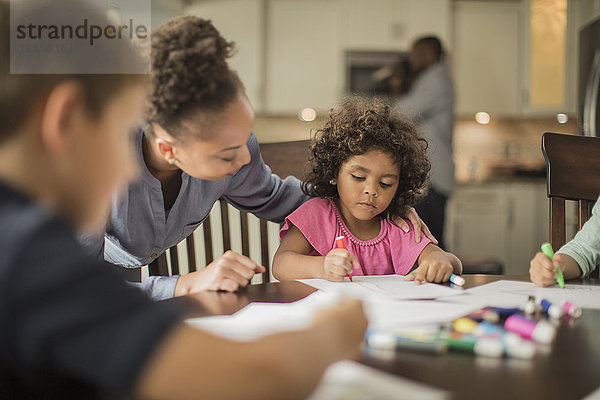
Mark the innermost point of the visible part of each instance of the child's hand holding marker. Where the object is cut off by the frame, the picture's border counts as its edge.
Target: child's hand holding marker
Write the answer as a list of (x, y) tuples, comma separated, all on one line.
[(339, 263), (545, 267)]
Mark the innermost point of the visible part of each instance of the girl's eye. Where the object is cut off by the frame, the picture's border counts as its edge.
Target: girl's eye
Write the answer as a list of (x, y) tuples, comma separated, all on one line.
[(358, 178), (228, 159), (385, 185)]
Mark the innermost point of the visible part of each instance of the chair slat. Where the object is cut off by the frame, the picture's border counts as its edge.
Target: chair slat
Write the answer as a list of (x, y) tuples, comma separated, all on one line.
[(558, 231), (208, 250), (584, 212), (264, 250), (191, 253), (174, 257), (245, 234), (225, 225)]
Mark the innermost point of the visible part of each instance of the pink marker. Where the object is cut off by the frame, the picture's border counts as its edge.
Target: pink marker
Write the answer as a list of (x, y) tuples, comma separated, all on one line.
[(340, 243), (541, 331), (571, 309)]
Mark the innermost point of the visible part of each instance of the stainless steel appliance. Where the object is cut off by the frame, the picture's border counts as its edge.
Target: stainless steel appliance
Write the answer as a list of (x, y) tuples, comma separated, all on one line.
[(367, 72), (589, 79)]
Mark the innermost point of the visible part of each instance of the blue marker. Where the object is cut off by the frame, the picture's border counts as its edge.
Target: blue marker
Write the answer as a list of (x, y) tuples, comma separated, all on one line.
[(457, 280), (553, 310)]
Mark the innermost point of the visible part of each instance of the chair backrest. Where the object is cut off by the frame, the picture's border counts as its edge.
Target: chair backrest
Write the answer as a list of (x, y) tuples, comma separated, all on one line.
[(284, 159), (160, 265), (573, 173)]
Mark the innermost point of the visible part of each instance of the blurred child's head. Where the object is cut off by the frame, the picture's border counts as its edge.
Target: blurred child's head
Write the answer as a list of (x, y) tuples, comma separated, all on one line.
[(69, 133), (370, 158), (198, 113)]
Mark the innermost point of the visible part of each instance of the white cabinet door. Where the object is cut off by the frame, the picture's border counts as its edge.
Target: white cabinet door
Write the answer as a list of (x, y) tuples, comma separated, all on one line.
[(504, 221), (393, 25), (246, 32), (376, 25), (477, 223), (486, 60), (304, 58)]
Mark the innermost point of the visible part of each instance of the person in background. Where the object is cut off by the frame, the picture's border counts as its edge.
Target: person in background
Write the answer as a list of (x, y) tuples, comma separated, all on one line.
[(430, 101), (70, 327), (368, 165), (197, 147), (577, 258)]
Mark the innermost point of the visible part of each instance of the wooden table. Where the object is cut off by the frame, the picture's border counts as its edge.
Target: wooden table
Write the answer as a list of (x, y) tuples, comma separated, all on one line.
[(569, 369)]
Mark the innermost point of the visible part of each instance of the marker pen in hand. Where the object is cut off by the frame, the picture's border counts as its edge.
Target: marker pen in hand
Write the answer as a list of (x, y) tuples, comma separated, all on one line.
[(340, 243), (548, 252)]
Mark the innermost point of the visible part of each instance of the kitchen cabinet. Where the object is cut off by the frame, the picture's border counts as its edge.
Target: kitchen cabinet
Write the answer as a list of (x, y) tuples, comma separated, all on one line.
[(248, 35), (487, 58), (392, 25), (505, 221), (303, 56)]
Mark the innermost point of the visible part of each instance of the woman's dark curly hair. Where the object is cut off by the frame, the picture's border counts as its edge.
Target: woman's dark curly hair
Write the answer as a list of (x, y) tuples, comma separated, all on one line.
[(356, 126), (189, 74)]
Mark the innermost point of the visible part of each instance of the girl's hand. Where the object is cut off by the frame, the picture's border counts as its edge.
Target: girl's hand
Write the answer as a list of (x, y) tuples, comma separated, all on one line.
[(417, 223), (338, 263), (436, 267), (542, 270)]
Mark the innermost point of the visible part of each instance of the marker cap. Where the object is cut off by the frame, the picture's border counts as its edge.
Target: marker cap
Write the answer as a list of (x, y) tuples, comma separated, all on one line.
[(488, 348), (457, 280), (572, 309), (340, 242), (544, 332)]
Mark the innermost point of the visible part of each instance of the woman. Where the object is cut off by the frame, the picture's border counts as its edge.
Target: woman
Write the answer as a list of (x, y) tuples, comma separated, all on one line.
[(198, 146)]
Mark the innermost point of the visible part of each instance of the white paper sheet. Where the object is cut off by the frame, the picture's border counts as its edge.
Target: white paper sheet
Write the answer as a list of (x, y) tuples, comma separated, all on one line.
[(584, 296), (386, 286), (348, 380), (260, 319)]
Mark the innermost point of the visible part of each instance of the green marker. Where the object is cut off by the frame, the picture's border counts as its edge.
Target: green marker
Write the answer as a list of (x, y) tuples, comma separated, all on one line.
[(547, 250)]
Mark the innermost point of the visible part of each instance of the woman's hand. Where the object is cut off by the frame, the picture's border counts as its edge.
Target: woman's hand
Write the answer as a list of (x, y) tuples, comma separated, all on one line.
[(338, 263), (417, 223), (228, 272)]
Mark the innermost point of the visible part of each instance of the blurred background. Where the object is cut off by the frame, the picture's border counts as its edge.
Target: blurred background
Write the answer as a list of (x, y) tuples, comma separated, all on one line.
[(520, 68)]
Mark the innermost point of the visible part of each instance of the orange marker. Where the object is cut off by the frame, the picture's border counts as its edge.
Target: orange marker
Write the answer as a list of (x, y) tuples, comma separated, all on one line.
[(340, 243)]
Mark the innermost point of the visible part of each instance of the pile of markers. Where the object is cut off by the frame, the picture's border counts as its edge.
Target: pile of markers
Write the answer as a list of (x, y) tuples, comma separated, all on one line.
[(490, 332)]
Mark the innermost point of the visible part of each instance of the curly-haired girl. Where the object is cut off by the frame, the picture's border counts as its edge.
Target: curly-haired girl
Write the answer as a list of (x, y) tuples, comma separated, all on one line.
[(368, 166)]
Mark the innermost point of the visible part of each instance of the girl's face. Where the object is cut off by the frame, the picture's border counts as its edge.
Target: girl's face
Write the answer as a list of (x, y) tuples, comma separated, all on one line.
[(225, 152), (367, 184)]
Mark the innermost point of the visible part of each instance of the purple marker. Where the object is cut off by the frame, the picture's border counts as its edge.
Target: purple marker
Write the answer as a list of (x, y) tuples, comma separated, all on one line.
[(541, 331)]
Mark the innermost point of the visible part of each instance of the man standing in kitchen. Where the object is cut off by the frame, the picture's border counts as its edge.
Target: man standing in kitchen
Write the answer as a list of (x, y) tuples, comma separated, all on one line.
[(430, 101)]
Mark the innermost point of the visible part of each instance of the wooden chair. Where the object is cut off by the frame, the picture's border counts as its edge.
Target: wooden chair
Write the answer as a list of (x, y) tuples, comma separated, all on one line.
[(284, 158), (573, 173), (160, 266)]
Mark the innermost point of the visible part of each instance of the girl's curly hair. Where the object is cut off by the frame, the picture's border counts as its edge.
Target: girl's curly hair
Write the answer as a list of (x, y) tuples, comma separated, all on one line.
[(356, 126), (189, 73)]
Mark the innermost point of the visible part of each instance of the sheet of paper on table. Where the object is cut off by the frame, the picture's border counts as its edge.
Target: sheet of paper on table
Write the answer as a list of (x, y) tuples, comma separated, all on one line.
[(348, 380), (383, 286), (259, 319), (343, 380), (505, 293)]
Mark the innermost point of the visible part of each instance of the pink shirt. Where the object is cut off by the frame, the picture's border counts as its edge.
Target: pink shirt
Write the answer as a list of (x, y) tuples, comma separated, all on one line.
[(392, 251)]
